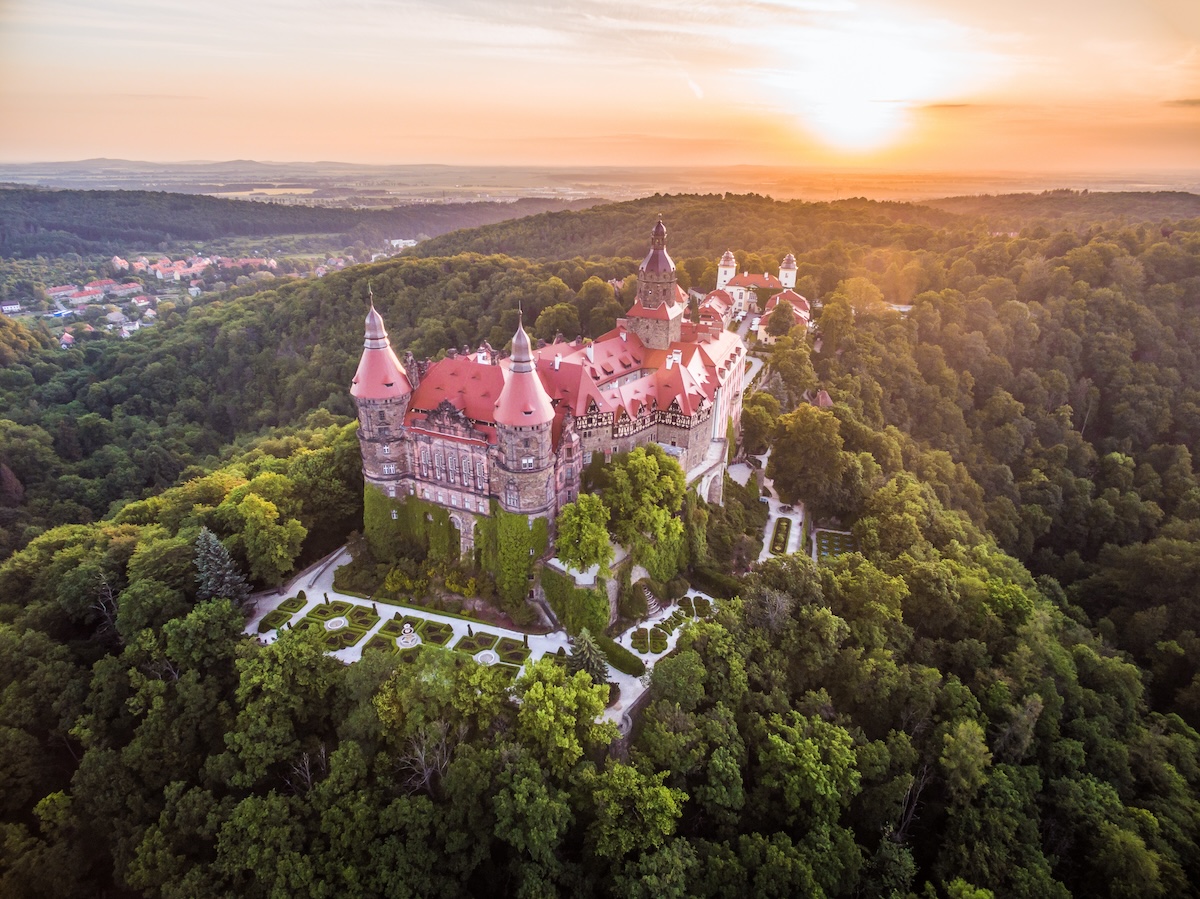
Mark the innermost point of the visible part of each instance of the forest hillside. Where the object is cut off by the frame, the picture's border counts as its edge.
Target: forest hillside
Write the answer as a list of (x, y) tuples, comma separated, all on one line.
[(997, 694)]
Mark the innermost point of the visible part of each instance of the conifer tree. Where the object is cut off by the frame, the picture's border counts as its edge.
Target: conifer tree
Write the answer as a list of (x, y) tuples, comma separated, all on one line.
[(587, 656), (217, 573)]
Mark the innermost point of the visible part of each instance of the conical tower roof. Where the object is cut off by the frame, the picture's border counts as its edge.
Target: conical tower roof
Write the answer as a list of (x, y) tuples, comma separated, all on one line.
[(380, 375), (523, 401)]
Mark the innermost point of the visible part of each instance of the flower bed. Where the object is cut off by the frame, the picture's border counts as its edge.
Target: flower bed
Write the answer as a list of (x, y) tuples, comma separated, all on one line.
[(478, 643), (384, 644), (511, 651), (274, 620), (435, 632), (779, 539), (640, 640), (703, 607)]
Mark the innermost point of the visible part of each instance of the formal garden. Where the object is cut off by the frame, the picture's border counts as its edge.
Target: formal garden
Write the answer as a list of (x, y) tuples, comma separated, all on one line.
[(779, 538), (834, 543), (653, 640)]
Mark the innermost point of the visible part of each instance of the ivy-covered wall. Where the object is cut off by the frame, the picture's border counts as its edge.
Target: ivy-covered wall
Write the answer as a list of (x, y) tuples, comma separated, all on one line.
[(420, 530), (576, 608), (508, 545)]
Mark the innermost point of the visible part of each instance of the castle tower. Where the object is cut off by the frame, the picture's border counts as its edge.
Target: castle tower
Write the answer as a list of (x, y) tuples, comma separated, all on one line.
[(787, 272), (657, 314), (524, 421), (381, 391), (726, 269)]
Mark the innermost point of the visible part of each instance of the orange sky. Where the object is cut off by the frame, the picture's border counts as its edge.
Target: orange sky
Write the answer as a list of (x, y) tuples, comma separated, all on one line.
[(928, 84)]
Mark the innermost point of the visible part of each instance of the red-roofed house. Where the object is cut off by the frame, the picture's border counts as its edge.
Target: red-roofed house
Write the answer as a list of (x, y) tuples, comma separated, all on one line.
[(103, 284), (474, 427), (746, 289), (788, 303)]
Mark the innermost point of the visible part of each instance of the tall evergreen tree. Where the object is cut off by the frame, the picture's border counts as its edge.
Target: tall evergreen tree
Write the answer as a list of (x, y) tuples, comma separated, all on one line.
[(587, 656), (217, 573)]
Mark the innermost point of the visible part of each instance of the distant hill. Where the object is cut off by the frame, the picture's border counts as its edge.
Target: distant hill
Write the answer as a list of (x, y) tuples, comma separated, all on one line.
[(53, 222), (1075, 206), (698, 225)]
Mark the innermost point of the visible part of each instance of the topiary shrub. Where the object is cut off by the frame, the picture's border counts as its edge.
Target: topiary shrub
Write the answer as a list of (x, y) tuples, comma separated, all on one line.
[(658, 640)]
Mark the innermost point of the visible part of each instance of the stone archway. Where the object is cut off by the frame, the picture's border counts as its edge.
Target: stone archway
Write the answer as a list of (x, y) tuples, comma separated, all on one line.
[(712, 487)]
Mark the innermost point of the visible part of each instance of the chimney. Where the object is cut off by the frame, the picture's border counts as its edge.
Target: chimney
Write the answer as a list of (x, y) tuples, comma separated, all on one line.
[(624, 335), (678, 357), (670, 360), (591, 353), (557, 360)]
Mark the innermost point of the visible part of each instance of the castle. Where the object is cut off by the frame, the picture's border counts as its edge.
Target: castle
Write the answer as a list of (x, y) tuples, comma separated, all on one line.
[(476, 427)]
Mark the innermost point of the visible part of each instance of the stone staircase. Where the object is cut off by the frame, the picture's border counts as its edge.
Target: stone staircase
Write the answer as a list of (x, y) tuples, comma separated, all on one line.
[(652, 606)]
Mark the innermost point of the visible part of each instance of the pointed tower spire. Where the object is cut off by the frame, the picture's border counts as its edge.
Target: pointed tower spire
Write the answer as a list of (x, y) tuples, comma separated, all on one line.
[(380, 374), (523, 401)]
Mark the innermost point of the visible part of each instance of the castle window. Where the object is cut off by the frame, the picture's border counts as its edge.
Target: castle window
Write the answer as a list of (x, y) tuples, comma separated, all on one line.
[(387, 450), (510, 495), (441, 498), (389, 467), (527, 463), (382, 415), (391, 490), (466, 468), (454, 500), (395, 514)]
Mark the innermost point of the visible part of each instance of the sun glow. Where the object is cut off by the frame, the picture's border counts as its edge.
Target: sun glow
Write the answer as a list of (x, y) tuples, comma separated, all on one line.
[(855, 82)]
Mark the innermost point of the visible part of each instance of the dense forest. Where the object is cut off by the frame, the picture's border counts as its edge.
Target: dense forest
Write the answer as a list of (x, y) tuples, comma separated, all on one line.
[(997, 694), (53, 222)]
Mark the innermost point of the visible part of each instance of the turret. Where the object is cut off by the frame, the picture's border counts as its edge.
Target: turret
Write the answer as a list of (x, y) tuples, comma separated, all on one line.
[(524, 419), (657, 314), (726, 269), (381, 391), (787, 272)]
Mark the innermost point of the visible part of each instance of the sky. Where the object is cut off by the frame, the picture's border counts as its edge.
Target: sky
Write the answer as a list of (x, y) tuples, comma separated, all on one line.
[(929, 85)]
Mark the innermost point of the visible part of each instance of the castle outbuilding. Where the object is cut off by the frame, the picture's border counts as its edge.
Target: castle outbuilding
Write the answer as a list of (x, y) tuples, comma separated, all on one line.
[(473, 428)]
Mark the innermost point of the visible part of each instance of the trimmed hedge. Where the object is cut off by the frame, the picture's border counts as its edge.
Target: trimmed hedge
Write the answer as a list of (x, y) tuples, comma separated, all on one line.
[(511, 651), (292, 604), (620, 657), (779, 538), (658, 640), (436, 632), (640, 640), (273, 620), (478, 643), (717, 583)]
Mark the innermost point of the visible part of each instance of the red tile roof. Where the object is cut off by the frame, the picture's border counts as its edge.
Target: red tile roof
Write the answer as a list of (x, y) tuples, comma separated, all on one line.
[(756, 282)]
